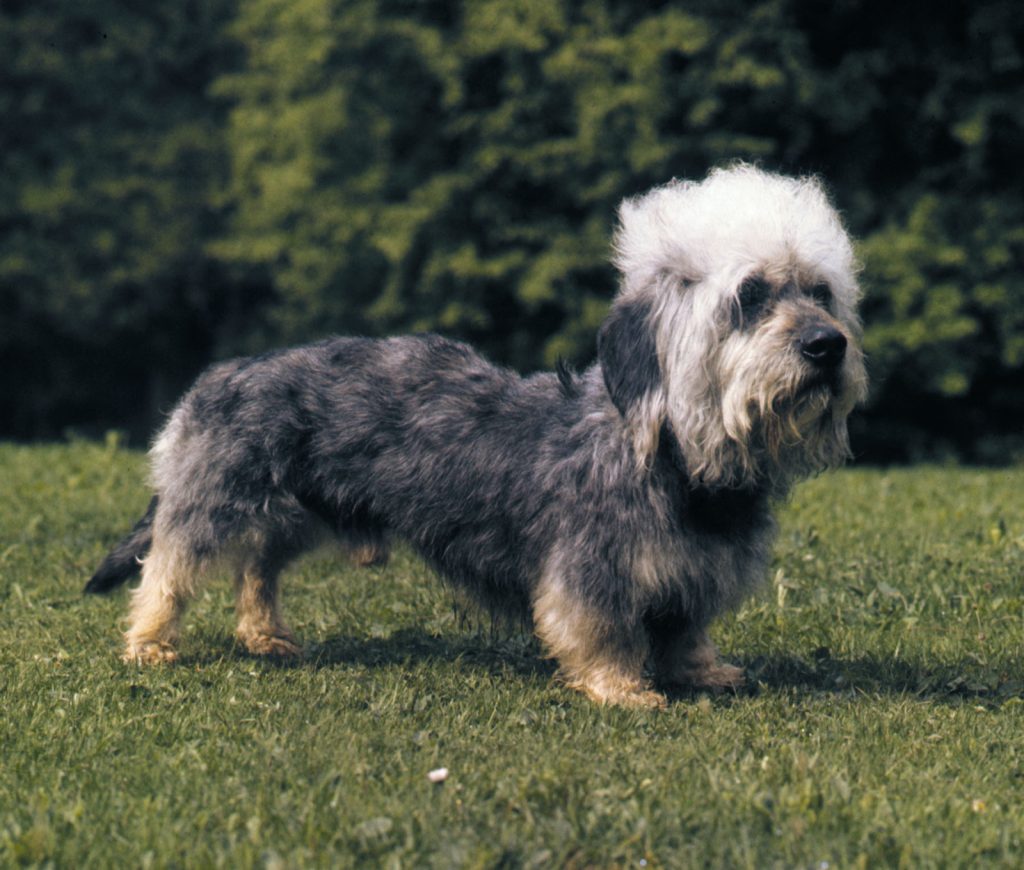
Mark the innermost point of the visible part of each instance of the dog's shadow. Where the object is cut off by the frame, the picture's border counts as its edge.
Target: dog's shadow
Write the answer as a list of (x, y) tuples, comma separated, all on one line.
[(520, 656), (496, 655), (952, 682)]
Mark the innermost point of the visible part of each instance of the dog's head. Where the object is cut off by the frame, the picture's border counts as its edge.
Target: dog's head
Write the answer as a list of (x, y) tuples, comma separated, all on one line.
[(736, 325)]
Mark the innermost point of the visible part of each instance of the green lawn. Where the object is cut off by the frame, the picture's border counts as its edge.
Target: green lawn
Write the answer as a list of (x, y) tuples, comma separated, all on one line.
[(884, 722)]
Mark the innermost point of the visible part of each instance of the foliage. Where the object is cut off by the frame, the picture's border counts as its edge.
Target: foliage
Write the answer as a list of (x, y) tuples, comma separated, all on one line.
[(108, 152), (274, 170), (927, 128), (947, 336), (881, 725), (468, 182)]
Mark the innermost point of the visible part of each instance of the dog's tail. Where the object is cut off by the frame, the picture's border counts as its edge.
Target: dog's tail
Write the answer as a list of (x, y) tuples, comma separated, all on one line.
[(122, 563)]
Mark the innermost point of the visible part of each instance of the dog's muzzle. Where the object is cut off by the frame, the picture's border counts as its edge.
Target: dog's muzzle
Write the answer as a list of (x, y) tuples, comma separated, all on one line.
[(822, 346)]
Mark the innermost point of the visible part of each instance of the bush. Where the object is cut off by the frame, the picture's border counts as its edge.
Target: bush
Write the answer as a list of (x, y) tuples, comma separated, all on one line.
[(280, 169)]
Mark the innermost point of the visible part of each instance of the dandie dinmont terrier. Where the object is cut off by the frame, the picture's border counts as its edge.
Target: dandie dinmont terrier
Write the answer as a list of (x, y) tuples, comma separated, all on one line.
[(620, 509)]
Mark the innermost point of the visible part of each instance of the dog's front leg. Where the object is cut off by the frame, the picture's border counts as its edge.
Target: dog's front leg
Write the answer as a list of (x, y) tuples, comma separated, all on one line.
[(687, 657), (602, 659)]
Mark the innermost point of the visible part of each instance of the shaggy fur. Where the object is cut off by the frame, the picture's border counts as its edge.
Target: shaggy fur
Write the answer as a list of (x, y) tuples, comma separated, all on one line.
[(620, 510)]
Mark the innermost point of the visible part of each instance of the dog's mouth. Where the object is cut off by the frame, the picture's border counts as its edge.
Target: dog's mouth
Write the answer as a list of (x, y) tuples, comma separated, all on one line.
[(829, 383), (811, 405), (809, 400), (803, 409)]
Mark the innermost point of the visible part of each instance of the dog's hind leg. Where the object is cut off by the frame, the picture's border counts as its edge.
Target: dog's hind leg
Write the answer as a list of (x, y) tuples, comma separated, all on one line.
[(598, 659), (168, 582), (261, 627)]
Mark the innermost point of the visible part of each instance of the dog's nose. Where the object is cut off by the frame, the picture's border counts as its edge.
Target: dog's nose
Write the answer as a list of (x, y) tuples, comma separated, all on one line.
[(823, 346)]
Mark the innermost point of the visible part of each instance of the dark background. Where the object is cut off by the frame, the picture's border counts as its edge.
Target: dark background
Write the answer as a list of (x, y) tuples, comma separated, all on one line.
[(185, 181)]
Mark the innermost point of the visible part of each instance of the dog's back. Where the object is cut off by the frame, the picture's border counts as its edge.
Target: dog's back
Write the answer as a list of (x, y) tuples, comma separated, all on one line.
[(419, 436)]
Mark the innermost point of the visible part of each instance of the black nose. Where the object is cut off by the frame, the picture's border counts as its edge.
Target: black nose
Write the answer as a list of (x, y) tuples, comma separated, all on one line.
[(822, 345)]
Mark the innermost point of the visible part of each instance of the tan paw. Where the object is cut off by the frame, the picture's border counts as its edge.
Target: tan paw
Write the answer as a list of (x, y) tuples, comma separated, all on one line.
[(279, 645), (717, 676), (645, 699), (149, 652), (638, 695)]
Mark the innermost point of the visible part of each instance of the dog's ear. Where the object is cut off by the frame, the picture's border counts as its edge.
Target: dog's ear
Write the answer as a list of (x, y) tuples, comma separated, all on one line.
[(626, 351), (628, 356)]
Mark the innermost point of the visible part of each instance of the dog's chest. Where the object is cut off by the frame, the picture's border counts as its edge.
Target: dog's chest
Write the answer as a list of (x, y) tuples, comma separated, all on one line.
[(710, 550)]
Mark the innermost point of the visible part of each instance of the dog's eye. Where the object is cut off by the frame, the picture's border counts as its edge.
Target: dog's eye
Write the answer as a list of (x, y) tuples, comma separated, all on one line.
[(754, 292), (822, 294)]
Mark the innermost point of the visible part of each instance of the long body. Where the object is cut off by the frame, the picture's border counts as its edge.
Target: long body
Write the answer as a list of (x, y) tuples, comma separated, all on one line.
[(511, 487), (484, 472), (619, 510)]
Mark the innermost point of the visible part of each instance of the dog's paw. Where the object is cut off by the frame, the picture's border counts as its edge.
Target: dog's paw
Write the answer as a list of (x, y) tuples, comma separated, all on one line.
[(645, 699), (638, 696), (276, 645), (725, 677), (717, 676), (149, 652)]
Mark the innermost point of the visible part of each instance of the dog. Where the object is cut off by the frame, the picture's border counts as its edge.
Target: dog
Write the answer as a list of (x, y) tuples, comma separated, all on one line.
[(619, 509)]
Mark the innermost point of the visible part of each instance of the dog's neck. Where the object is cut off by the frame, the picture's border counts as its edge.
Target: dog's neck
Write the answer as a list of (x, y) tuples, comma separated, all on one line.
[(774, 484), (670, 464)]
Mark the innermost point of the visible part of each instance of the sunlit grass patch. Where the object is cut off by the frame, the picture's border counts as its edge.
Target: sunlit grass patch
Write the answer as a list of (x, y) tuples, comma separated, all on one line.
[(882, 722)]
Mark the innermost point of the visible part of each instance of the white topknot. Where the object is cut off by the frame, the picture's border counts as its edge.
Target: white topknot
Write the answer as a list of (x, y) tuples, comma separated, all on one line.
[(739, 219)]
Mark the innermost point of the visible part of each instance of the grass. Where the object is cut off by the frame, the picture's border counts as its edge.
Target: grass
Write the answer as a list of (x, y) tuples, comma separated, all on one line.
[(882, 725)]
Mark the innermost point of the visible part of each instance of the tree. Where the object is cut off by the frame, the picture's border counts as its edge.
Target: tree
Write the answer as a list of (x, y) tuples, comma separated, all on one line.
[(923, 121), (183, 181), (457, 167), (108, 153)]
